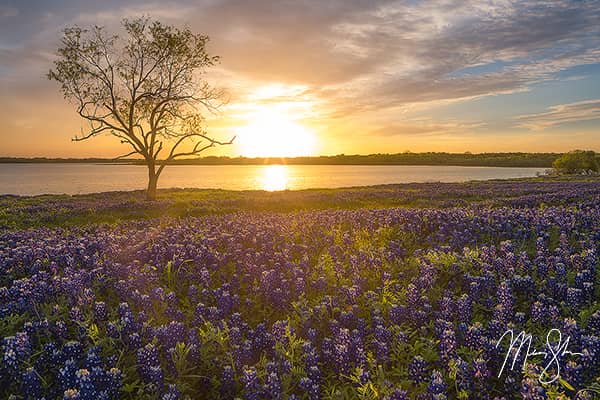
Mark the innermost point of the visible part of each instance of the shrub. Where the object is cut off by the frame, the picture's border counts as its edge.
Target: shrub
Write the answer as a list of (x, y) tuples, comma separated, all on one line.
[(576, 162)]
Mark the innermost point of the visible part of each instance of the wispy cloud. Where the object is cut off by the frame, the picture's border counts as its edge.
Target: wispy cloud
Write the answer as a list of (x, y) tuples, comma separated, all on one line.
[(561, 114), (412, 127)]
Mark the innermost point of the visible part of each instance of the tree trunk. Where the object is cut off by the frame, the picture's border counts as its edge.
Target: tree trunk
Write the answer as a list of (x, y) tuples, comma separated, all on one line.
[(152, 181)]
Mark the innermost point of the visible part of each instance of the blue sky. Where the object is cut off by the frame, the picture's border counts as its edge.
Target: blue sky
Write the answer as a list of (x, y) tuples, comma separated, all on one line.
[(362, 76)]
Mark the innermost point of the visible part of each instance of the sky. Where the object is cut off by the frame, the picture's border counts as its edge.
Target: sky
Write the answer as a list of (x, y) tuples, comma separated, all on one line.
[(337, 76)]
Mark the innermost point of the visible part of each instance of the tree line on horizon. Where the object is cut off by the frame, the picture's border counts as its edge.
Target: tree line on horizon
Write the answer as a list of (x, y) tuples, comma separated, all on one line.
[(540, 160)]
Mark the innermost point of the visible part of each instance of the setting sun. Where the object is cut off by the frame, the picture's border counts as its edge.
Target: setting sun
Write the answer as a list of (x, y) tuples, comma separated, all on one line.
[(272, 133), (274, 177)]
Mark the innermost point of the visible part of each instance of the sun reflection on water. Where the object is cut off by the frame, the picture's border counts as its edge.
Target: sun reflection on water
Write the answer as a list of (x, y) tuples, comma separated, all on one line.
[(274, 177)]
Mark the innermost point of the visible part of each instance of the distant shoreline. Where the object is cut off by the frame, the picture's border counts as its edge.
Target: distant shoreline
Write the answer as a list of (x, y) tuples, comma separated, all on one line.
[(518, 160)]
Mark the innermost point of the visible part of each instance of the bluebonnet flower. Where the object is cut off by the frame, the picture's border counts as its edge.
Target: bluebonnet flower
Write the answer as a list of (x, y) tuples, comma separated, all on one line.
[(100, 313), (474, 335), (574, 298), (341, 351), (114, 382), (532, 390), (590, 346), (155, 375), (171, 334), (148, 362), (50, 357), (417, 370), (126, 319), (464, 308), (437, 386), (573, 373), (279, 331), (447, 307), (496, 328), (398, 314), (172, 393), (448, 345), (227, 382), (382, 337), (397, 394), (464, 378), (504, 309), (312, 389), (76, 315), (474, 291), (242, 354), (273, 386), (357, 350), (87, 390), (480, 370), (171, 300), (73, 350), (582, 395), (71, 394), (92, 359), (593, 324), (67, 378), (523, 283), (16, 349), (235, 335), (305, 383), (520, 318), (572, 330), (134, 340), (193, 293), (112, 330), (262, 338), (31, 384), (583, 277), (252, 387)]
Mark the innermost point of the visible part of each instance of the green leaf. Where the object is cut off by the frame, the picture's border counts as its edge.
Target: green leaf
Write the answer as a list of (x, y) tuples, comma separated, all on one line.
[(566, 384)]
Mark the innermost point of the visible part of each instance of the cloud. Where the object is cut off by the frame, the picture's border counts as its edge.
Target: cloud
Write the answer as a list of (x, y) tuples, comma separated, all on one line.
[(418, 127), (561, 114), (359, 61), (161, 11), (425, 44), (8, 11), (401, 51)]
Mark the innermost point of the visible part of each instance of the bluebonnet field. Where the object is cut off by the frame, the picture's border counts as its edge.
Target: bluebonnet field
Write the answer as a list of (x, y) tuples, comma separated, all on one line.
[(394, 292)]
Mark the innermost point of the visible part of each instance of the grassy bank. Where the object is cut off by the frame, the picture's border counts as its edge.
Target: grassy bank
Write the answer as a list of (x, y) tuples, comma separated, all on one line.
[(22, 212)]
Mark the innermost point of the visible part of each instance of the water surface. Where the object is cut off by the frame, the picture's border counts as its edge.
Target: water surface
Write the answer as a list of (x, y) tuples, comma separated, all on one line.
[(33, 179)]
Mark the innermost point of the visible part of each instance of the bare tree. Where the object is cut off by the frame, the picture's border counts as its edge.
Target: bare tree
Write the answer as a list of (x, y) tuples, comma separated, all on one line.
[(143, 87)]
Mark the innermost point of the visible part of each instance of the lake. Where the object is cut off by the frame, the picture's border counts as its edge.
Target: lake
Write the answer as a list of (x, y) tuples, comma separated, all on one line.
[(34, 179)]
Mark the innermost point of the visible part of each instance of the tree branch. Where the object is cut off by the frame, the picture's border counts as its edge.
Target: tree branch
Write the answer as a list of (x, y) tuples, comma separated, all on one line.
[(126, 155), (195, 151), (93, 132)]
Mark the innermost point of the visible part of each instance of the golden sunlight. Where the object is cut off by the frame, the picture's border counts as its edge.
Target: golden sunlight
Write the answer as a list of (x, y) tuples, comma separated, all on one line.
[(274, 133), (274, 122), (274, 177)]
